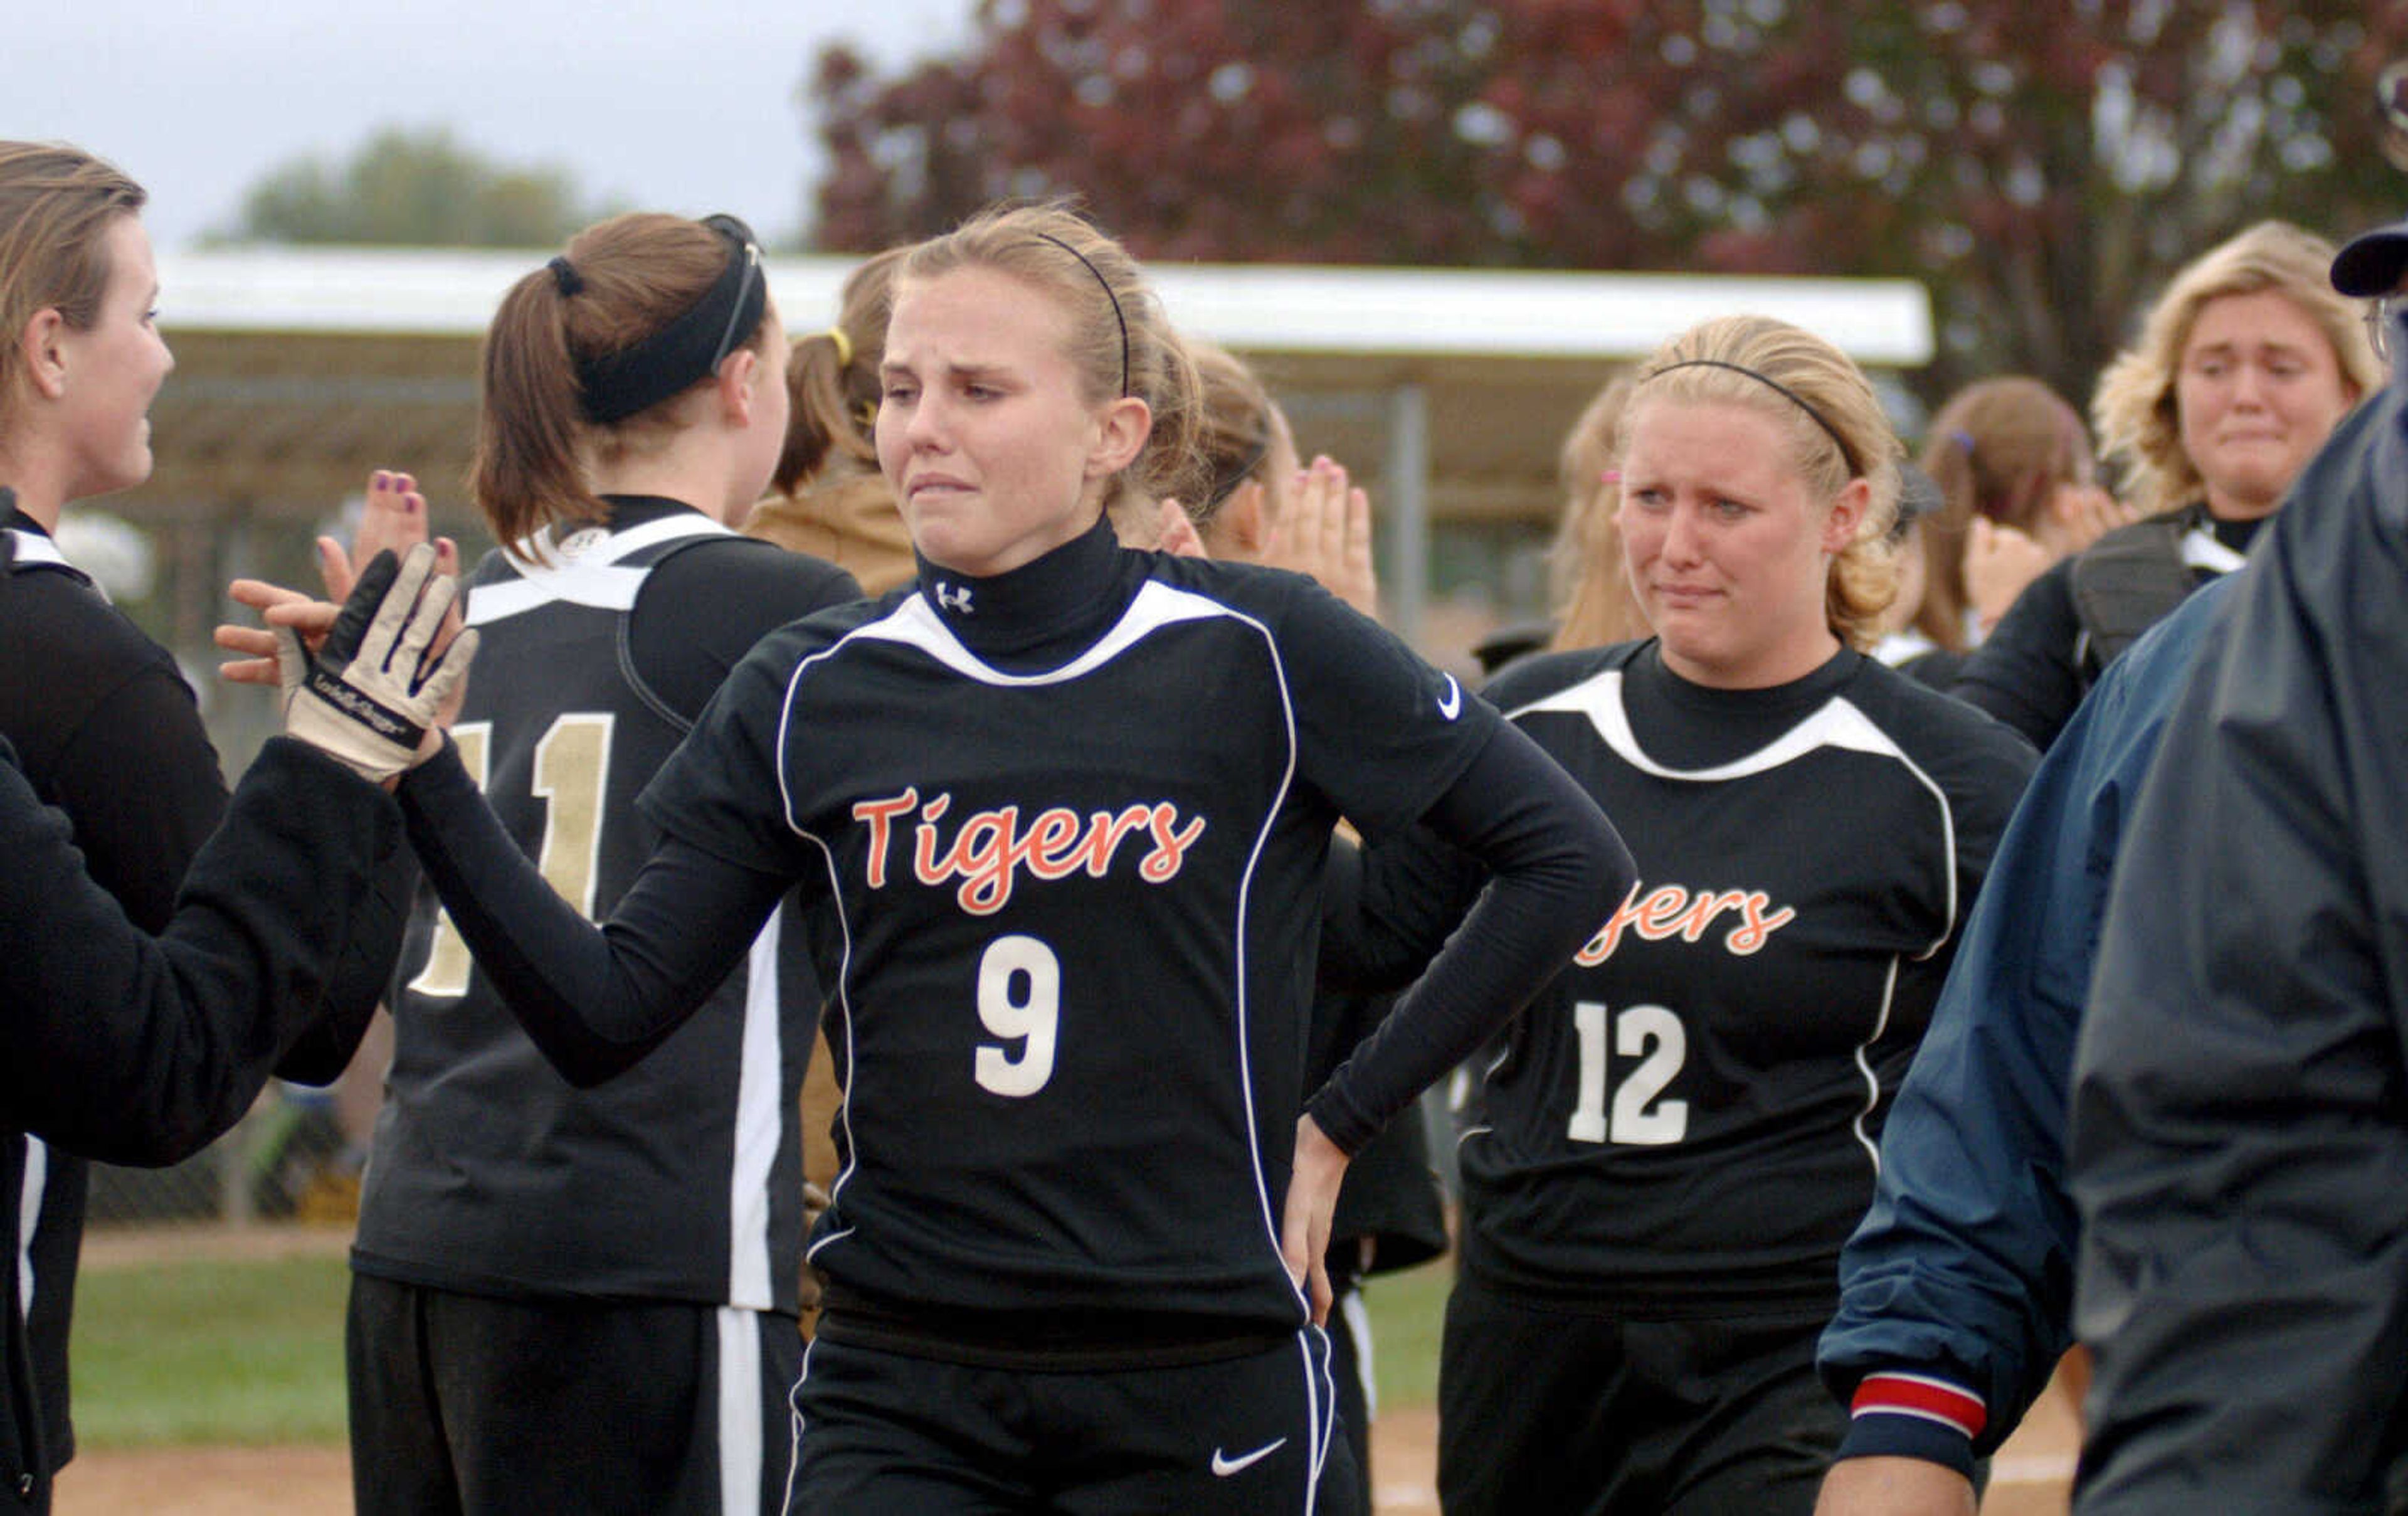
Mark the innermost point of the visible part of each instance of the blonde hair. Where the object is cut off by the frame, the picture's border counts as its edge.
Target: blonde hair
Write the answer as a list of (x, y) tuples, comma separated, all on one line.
[(1806, 385), (1585, 580), (1121, 343), (57, 204), (2133, 408)]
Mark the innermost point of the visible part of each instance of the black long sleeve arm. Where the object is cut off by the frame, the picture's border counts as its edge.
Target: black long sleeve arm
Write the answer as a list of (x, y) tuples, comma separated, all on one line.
[(139, 1050), (594, 1000), (1558, 867)]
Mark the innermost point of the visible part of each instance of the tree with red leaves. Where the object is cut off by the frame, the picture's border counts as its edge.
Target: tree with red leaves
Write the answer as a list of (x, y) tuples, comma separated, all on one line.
[(2041, 167)]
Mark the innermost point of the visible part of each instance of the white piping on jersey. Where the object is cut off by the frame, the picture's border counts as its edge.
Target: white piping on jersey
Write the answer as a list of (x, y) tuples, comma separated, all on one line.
[(1836, 723), (33, 547), (29, 1220), (1156, 605), (1864, 1067), (795, 1426), (1320, 1410), (592, 578), (760, 1125), (740, 1439), (844, 1011), (2202, 550)]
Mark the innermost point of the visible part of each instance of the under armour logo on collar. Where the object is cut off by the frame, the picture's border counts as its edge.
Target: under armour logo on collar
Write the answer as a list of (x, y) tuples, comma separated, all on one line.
[(954, 597)]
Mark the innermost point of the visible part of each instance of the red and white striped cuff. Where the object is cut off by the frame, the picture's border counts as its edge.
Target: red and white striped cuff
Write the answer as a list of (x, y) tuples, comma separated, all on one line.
[(1920, 1395)]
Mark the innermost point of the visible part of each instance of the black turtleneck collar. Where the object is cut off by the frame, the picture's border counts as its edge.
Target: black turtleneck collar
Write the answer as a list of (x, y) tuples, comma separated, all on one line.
[(10, 515), (1045, 612)]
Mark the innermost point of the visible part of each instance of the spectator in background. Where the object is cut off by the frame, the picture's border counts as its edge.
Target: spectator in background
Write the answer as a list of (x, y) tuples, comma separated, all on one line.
[(2014, 465), (2242, 368)]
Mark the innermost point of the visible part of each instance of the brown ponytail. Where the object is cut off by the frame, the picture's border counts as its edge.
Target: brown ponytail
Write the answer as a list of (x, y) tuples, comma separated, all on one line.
[(632, 276)]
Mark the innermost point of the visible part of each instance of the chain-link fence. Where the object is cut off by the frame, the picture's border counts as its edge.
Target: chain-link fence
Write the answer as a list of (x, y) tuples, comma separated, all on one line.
[(297, 1157)]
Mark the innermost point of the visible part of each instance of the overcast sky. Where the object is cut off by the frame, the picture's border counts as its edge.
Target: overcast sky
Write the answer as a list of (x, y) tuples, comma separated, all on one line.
[(685, 105)]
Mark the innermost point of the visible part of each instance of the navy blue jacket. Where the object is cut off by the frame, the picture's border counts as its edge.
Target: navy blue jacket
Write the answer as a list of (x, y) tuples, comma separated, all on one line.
[(2239, 1117), (1956, 1291)]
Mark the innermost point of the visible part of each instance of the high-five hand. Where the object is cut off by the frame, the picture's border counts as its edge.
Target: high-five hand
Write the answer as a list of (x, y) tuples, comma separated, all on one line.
[(370, 696)]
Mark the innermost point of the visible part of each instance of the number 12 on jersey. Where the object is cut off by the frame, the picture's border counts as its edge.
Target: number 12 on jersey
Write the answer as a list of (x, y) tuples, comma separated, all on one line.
[(1654, 1036)]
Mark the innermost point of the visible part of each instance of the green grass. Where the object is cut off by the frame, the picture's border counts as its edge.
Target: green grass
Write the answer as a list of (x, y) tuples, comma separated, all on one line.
[(252, 1354), (210, 1353), (1408, 1311)]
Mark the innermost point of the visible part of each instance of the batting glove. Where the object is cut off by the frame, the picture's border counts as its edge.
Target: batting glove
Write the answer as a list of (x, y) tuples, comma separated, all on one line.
[(368, 696)]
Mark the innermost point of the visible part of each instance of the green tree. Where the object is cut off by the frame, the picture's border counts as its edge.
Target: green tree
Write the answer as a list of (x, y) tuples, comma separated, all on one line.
[(2040, 165), (411, 188)]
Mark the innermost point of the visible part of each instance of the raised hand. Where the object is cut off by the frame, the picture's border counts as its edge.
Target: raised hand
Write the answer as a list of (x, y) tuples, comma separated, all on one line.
[(395, 519), (1326, 532), (371, 695), (1999, 562), (1175, 532), (2084, 513)]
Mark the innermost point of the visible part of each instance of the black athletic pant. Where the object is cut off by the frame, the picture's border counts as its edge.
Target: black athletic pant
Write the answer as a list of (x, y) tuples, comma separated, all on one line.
[(901, 1435), (467, 1405), (1584, 1415)]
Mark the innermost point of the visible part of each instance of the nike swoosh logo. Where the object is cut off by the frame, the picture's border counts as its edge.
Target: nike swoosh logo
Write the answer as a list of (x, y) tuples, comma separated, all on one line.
[(1450, 704), (1223, 1467)]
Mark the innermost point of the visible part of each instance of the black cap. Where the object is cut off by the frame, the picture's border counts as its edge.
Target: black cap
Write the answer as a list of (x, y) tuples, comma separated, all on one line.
[(2371, 264)]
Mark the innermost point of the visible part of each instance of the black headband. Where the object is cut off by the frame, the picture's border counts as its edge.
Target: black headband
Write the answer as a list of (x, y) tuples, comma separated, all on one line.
[(1116, 299), (616, 385), (1226, 483), (1846, 456)]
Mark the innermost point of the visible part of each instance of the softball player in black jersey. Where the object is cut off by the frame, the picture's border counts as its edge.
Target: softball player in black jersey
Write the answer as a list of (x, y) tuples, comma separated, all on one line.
[(573, 1299), (1062, 811), (1681, 1131), (102, 721)]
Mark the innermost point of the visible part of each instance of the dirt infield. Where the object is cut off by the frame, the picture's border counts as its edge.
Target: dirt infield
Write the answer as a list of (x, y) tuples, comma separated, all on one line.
[(2029, 1478)]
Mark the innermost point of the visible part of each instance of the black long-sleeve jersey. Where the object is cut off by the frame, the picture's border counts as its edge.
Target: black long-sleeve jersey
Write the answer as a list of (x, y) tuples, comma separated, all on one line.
[(107, 731), (2040, 661), (1687, 1119), (1066, 828), (490, 1174), (124, 1047)]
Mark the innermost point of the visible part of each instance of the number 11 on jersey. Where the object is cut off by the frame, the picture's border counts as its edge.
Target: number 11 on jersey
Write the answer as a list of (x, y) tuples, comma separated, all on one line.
[(1654, 1036), (572, 767)]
